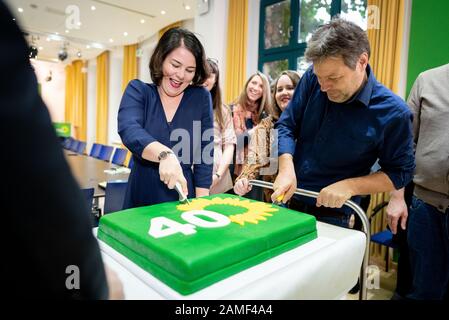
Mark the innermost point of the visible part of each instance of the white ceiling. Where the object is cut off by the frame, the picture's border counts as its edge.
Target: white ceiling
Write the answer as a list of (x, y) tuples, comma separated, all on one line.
[(43, 19)]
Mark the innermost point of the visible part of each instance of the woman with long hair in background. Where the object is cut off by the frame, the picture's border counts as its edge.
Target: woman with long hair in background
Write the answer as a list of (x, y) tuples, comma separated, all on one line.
[(260, 146), (249, 109), (224, 135)]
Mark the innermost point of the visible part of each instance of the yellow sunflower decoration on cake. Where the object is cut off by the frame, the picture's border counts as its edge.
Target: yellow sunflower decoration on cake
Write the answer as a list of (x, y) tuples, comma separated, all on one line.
[(256, 211)]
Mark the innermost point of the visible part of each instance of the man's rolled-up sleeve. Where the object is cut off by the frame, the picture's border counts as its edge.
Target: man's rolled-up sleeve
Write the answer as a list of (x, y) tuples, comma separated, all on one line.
[(397, 159)]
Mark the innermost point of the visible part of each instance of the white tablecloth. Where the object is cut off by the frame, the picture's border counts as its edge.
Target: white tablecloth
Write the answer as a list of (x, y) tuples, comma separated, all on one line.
[(325, 268)]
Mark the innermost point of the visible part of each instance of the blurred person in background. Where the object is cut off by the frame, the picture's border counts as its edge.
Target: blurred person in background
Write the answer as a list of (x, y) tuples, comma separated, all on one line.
[(47, 227)]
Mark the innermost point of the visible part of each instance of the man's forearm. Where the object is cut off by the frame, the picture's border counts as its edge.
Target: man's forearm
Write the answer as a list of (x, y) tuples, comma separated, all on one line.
[(373, 183), (286, 163), (397, 193)]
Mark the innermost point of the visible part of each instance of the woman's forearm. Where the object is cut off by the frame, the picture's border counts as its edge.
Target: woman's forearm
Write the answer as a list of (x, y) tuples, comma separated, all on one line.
[(226, 159), (201, 192)]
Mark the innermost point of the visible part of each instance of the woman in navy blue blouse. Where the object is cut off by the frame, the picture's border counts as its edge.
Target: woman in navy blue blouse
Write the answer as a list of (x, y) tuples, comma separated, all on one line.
[(168, 125)]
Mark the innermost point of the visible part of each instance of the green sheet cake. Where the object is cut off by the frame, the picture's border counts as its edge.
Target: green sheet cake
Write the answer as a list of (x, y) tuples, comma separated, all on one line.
[(191, 246)]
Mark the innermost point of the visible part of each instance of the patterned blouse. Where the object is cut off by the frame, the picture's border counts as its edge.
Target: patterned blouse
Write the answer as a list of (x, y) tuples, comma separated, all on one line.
[(240, 119), (262, 155)]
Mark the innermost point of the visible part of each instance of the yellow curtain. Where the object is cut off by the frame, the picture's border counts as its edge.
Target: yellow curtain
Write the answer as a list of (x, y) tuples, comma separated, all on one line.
[(386, 45), (76, 98), (176, 24), (102, 97), (69, 91), (129, 64), (386, 42), (236, 49)]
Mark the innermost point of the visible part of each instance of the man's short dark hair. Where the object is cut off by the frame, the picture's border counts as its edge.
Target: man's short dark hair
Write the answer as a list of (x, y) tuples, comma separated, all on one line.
[(338, 38), (171, 40)]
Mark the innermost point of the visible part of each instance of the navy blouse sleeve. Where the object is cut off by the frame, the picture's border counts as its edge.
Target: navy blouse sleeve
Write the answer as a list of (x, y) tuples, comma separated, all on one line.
[(131, 118), (203, 169)]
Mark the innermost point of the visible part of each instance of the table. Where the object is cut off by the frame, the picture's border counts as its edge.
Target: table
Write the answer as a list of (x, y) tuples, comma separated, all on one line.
[(89, 171), (325, 268)]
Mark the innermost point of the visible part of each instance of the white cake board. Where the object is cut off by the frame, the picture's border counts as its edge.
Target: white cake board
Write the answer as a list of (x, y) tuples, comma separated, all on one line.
[(325, 268)]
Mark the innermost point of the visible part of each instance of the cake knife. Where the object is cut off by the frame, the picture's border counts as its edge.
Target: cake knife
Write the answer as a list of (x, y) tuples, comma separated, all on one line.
[(182, 196)]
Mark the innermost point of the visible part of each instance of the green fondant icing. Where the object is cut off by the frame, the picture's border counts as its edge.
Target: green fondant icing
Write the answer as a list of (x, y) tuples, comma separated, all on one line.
[(188, 263)]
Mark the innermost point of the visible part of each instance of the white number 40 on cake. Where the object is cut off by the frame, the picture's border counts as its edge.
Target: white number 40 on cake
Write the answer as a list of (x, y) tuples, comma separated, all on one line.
[(161, 227)]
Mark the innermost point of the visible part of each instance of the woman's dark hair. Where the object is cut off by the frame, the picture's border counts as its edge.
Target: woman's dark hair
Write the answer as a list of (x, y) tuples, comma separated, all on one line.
[(294, 77), (215, 92), (172, 39)]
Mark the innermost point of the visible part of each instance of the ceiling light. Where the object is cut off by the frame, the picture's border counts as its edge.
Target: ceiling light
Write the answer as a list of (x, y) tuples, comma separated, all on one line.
[(57, 33), (79, 54), (187, 7), (142, 20), (125, 34), (20, 10), (13, 19), (48, 39), (163, 12), (67, 31), (62, 55), (79, 23), (33, 52), (111, 40), (41, 48), (88, 47), (93, 8)]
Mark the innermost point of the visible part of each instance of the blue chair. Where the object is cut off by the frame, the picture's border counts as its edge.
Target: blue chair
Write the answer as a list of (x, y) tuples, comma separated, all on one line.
[(95, 150), (66, 142), (385, 237), (131, 162), (119, 156), (81, 147), (74, 145), (105, 153), (114, 196)]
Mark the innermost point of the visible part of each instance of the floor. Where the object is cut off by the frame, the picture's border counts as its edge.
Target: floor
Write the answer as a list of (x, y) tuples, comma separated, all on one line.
[(386, 284)]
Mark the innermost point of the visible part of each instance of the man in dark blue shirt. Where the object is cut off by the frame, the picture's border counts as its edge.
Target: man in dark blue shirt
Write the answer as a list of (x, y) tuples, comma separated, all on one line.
[(338, 123)]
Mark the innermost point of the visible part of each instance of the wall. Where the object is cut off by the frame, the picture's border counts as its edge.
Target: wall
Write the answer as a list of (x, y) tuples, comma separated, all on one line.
[(147, 48), (211, 30), (252, 52), (115, 92), (52, 92), (402, 85), (429, 41)]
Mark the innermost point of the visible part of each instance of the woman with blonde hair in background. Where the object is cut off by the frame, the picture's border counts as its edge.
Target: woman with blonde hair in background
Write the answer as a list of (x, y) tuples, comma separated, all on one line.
[(250, 108), (259, 153), (224, 135)]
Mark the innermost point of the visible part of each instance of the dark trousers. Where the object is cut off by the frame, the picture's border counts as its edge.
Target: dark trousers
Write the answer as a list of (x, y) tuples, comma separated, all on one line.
[(404, 276), (428, 240)]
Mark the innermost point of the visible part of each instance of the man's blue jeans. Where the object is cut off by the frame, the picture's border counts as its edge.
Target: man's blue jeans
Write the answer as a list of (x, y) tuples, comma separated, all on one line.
[(428, 239)]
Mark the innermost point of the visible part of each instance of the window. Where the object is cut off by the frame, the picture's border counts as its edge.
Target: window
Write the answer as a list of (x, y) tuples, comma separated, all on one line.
[(287, 25)]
